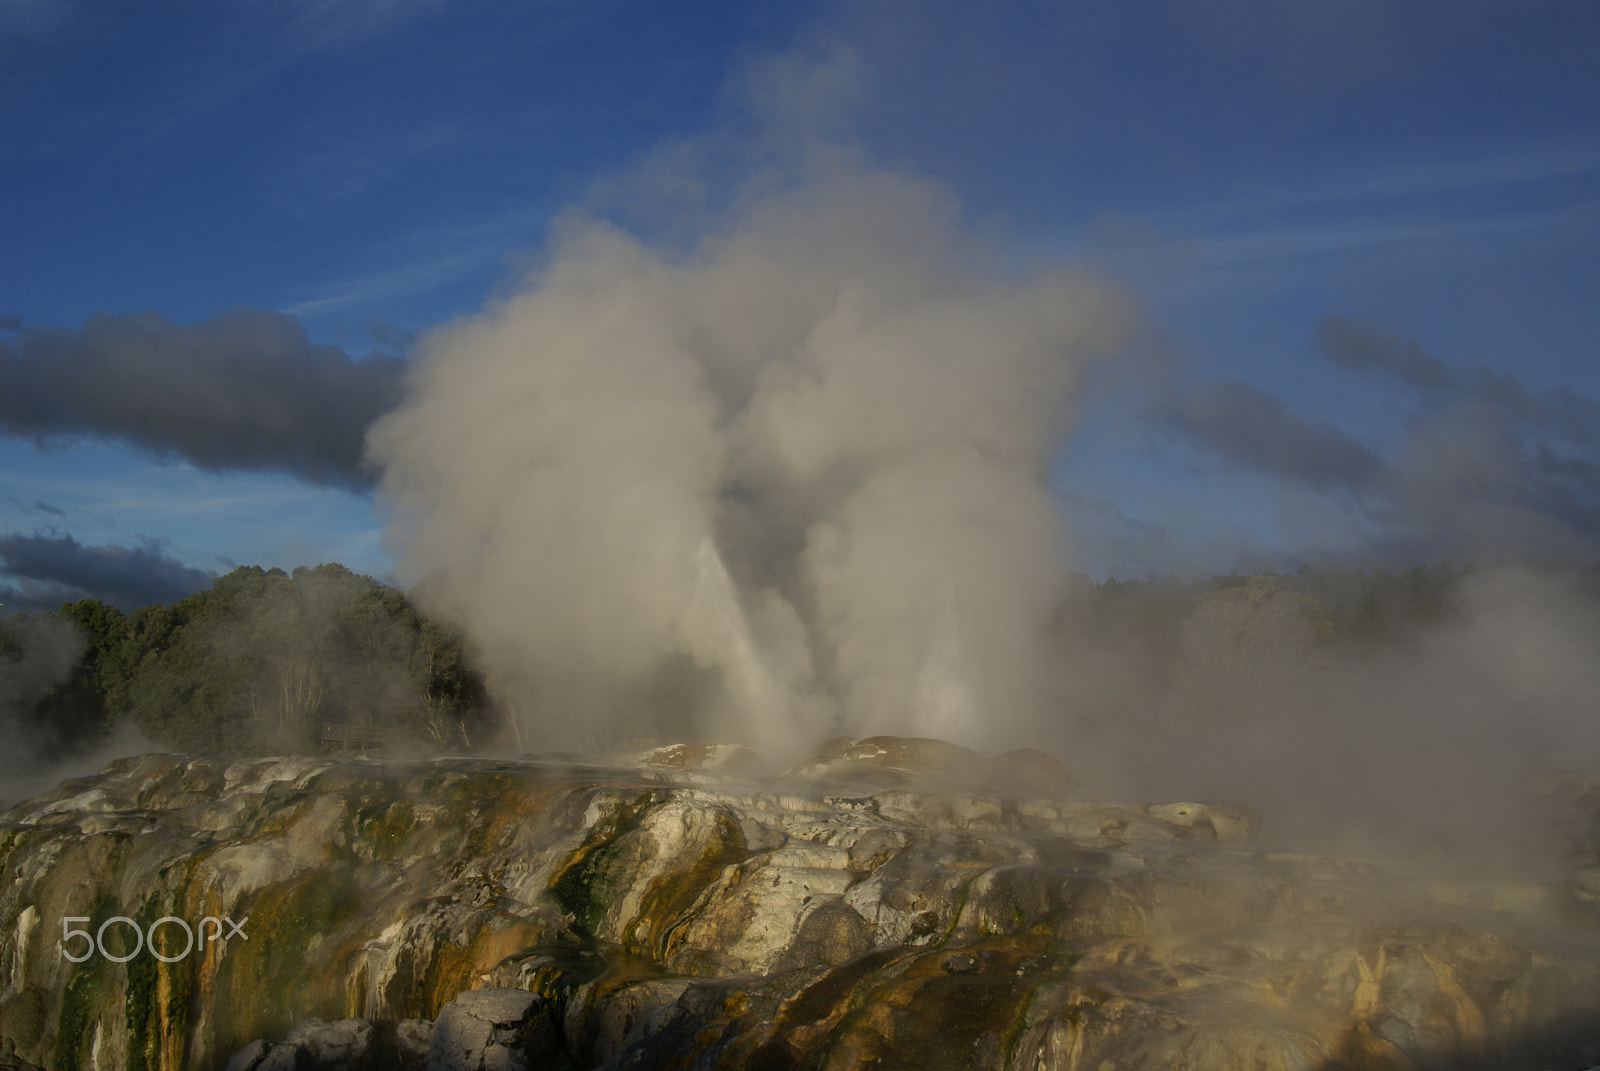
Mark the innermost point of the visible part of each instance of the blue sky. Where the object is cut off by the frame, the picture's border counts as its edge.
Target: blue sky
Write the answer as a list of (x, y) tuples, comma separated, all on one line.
[(1365, 238)]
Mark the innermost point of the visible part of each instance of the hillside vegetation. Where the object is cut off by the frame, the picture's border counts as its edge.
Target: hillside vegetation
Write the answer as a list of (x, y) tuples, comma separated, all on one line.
[(260, 661), (263, 659)]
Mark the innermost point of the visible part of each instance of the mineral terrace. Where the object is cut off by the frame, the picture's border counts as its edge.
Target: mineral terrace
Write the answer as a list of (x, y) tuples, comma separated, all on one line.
[(890, 904)]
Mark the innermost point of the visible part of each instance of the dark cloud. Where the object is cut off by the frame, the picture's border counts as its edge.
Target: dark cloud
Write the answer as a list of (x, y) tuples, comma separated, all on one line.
[(36, 506), (47, 570), (244, 390), (1468, 484), (10, 322), (1256, 431), (1562, 414), (1488, 467), (390, 338), (1364, 347), (1482, 468), (32, 597)]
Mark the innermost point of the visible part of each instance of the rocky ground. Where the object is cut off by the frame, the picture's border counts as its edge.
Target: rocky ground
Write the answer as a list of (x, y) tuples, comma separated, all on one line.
[(892, 903)]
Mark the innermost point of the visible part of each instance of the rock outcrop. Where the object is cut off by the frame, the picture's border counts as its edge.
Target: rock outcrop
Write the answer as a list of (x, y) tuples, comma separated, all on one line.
[(890, 904)]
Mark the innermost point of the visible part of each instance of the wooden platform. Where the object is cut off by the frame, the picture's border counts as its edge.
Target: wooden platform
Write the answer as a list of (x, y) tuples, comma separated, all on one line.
[(350, 739)]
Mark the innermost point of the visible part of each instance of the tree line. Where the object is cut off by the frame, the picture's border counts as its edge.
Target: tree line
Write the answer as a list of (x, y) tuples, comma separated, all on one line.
[(259, 662), (263, 660)]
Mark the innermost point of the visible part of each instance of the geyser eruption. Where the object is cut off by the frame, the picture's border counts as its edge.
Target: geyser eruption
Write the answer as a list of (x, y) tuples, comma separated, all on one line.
[(943, 698), (801, 465), (718, 635)]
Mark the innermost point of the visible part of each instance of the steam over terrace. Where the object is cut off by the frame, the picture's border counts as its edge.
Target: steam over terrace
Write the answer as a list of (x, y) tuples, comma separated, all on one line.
[(802, 465)]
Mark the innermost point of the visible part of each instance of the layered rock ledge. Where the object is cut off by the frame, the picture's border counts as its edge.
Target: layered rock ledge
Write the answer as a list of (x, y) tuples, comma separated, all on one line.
[(885, 905)]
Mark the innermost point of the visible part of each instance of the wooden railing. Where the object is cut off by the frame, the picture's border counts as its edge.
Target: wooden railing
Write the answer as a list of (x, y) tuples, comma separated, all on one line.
[(344, 737)]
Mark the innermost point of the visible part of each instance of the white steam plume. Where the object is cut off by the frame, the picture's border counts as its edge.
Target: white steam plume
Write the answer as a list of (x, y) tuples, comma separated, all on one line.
[(807, 458)]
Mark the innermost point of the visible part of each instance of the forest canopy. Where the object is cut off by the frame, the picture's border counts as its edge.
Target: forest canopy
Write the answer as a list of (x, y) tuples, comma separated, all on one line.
[(262, 661)]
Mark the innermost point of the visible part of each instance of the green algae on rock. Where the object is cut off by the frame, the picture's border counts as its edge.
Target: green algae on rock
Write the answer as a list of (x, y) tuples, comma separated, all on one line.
[(666, 918)]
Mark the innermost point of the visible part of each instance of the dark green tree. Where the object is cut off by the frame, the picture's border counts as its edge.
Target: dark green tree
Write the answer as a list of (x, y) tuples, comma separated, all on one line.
[(263, 659)]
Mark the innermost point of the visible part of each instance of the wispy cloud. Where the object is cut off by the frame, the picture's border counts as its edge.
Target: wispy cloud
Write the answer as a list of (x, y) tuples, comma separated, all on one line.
[(1496, 194), (204, 59), (1277, 243), (320, 25), (335, 163), (28, 20), (108, 494), (430, 258), (404, 280), (1492, 170)]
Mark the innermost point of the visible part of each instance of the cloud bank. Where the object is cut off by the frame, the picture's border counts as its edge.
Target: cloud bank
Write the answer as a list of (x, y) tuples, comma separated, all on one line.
[(1481, 468), (795, 475), (1257, 431), (49, 570), (244, 390)]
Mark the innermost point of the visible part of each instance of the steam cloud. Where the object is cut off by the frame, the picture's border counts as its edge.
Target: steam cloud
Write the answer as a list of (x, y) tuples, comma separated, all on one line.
[(37, 656), (797, 473), (1440, 746)]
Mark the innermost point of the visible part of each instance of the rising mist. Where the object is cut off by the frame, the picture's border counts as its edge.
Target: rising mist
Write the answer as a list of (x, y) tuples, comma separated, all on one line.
[(790, 483)]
